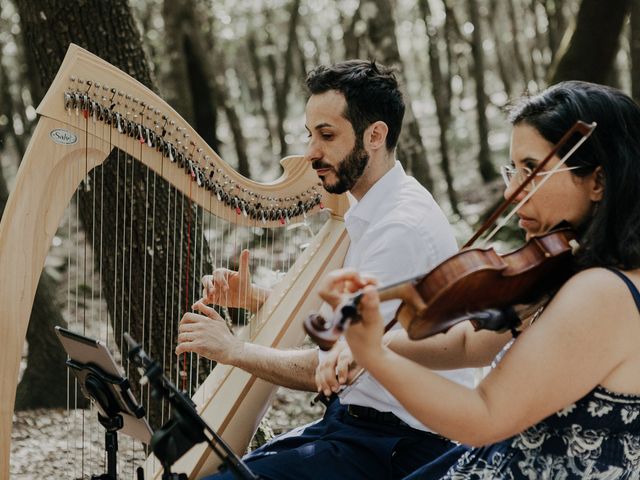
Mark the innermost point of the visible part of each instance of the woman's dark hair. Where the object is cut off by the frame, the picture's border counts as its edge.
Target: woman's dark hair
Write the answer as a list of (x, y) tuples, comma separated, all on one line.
[(612, 237), (370, 90)]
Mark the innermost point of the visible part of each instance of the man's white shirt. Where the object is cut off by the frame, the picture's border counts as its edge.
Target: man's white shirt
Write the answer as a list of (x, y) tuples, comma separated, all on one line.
[(397, 232)]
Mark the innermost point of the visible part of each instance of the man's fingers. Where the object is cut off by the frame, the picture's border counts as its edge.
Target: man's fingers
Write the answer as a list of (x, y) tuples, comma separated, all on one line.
[(210, 312), (207, 284), (342, 368), (188, 318), (324, 382), (243, 265), (187, 347), (220, 280), (184, 337)]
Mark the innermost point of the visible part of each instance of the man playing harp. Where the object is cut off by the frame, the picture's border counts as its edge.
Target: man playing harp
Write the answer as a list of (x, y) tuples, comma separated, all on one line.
[(353, 116)]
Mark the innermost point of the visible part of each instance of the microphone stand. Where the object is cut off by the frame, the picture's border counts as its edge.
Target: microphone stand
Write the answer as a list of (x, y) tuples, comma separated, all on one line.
[(186, 428)]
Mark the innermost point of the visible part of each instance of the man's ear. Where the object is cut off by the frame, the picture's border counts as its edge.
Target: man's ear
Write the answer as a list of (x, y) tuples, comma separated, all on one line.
[(375, 136), (598, 186)]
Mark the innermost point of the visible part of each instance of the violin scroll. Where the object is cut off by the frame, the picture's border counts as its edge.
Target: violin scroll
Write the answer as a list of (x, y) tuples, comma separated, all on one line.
[(325, 333)]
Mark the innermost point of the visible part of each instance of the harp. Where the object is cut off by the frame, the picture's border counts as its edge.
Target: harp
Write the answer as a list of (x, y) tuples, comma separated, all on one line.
[(80, 124)]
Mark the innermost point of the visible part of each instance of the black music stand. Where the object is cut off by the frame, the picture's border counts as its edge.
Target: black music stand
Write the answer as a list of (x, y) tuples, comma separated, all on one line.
[(186, 428), (101, 381)]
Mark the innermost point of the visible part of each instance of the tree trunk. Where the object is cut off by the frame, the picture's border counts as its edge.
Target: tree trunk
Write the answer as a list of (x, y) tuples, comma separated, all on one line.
[(439, 93), (590, 56), (272, 67), (108, 30), (487, 171), (381, 29), (7, 108), (301, 59), (496, 30), (635, 49), (451, 30), (351, 39), (283, 82), (189, 75), (516, 30), (557, 23), (256, 66), (539, 45), (235, 125)]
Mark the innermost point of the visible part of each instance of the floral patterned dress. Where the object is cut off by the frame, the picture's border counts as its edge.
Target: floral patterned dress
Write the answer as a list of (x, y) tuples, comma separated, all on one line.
[(597, 437)]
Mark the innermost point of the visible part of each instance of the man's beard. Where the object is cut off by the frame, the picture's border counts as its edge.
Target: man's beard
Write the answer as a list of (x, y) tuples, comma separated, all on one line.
[(348, 171)]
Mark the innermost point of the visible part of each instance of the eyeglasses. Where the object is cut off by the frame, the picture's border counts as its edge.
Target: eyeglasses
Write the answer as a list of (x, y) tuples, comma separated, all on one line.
[(518, 175)]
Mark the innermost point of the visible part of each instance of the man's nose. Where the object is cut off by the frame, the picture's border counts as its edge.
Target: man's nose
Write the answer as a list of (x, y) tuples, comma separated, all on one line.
[(312, 151)]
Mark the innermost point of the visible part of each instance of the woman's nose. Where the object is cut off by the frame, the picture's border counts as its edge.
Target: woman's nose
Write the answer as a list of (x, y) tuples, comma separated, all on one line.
[(508, 191)]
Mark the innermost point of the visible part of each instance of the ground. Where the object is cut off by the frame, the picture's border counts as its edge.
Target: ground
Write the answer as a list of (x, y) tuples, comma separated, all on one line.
[(46, 443)]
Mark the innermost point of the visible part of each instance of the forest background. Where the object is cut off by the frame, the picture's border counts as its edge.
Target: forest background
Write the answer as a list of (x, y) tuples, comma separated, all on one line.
[(234, 70)]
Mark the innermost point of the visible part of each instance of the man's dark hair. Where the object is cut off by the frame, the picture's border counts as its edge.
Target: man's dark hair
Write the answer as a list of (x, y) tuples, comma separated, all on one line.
[(370, 90), (612, 236)]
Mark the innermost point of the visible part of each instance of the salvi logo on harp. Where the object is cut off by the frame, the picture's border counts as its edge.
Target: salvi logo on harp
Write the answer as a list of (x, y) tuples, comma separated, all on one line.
[(63, 137)]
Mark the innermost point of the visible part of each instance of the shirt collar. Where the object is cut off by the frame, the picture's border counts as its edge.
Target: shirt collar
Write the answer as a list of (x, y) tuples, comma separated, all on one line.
[(374, 203)]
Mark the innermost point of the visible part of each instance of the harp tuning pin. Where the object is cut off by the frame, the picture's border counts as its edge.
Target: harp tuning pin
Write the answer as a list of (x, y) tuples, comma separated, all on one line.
[(68, 102)]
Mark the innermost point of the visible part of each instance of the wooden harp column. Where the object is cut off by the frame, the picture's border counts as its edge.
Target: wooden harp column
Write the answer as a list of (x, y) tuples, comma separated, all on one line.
[(230, 400)]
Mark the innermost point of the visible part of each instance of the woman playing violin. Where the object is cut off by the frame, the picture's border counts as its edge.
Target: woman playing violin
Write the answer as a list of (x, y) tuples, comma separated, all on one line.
[(563, 398)]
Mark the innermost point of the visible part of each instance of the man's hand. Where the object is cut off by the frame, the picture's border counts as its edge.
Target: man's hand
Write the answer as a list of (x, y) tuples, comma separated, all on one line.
[(336, 369), (228, 288), (208, 335), (339, 284)]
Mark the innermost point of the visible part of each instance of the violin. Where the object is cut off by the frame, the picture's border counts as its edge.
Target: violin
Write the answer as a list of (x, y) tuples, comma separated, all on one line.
[(475, 284)]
